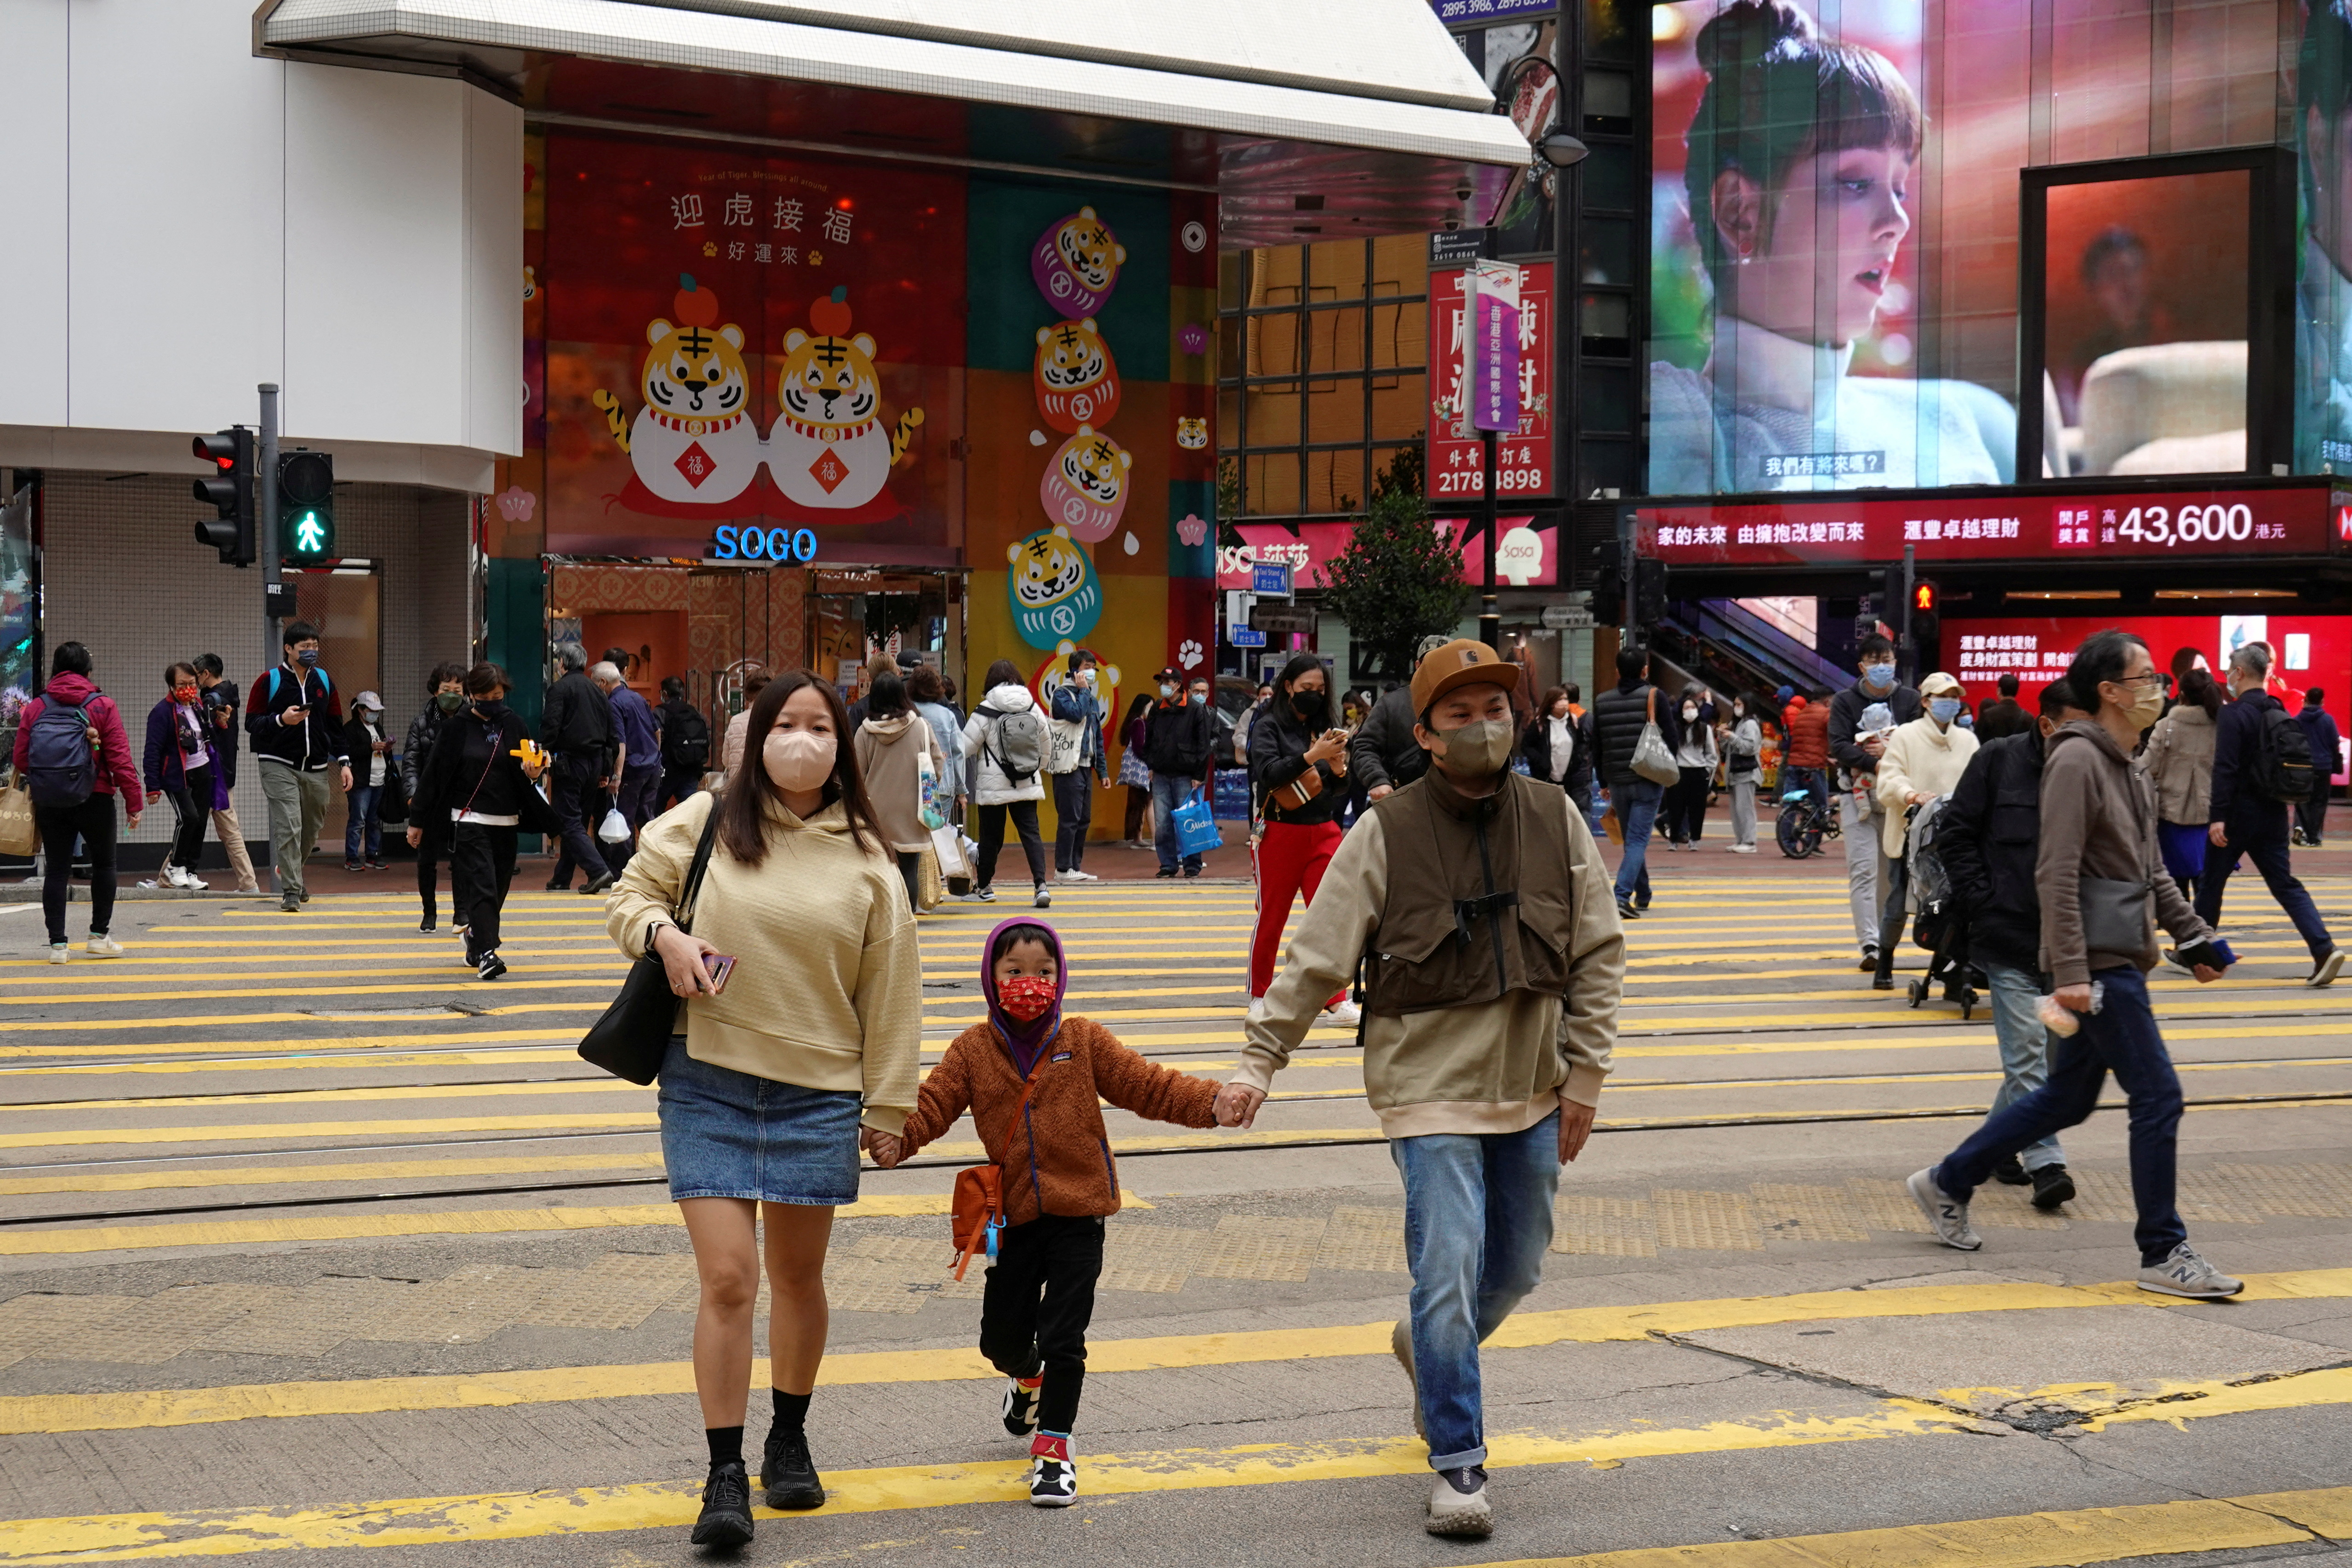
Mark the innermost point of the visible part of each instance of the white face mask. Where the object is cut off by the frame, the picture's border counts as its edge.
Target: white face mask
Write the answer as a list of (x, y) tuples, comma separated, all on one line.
[(1086, 676), (1690, 712), (798, 759)]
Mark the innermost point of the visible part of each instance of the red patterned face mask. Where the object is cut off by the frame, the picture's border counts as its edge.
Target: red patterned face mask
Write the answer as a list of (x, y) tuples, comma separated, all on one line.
[(1025, 997)]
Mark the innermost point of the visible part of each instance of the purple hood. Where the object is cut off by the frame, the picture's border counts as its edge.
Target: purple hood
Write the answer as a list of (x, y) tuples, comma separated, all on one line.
[(1023, 1041)]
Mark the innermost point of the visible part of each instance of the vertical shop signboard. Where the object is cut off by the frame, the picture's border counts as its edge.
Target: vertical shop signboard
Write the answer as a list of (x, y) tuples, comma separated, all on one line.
[(1494, 347), (1523, 447)]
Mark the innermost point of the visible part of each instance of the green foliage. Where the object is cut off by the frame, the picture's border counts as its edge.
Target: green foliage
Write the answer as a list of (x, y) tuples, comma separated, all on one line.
[(1403, 476), (1397, 582)]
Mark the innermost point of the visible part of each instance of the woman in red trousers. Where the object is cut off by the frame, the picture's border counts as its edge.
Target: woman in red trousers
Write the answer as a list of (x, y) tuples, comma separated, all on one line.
[(1298, 760)]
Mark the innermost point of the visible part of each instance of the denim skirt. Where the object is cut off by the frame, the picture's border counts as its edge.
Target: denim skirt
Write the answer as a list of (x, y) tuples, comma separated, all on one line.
[(726, 1134)]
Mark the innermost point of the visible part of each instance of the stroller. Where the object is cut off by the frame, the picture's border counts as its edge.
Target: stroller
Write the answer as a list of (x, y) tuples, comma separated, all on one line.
[(1939, 926)]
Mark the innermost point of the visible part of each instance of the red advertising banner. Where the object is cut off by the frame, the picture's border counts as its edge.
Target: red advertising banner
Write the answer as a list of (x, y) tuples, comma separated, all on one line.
[(1523, 462), (1529, 555), (2140, 527)]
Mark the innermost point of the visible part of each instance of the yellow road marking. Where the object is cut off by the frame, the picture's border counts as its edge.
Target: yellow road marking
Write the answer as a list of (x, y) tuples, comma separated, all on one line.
[(283, 1175), (55, 1413)]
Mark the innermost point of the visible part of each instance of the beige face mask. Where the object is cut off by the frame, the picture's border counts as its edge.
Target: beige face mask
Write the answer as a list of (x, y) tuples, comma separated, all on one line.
[(1478, 749), (2148, 705), (798, 759)]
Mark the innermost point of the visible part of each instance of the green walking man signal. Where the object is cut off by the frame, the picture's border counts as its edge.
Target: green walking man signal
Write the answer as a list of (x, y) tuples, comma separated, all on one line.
[(306, 503)]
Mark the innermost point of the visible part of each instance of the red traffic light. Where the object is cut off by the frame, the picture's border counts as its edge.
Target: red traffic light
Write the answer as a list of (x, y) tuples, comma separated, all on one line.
[(219, 449), (1923, 598)]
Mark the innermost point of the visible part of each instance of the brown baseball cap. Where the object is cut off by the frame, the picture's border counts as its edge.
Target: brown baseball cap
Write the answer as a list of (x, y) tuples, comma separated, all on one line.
[(1464, 661)]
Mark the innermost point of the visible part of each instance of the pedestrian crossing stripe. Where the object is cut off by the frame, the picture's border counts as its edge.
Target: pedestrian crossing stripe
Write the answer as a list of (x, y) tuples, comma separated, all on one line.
[(60, 1413), (2076, 1537)]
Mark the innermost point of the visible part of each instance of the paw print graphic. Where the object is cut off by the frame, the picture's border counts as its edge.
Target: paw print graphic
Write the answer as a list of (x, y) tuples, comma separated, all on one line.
[(516, 504), (1192, 529), (1189, 653)]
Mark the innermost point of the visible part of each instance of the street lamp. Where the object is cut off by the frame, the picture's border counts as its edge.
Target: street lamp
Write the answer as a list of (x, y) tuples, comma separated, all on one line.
[(1560, 149)]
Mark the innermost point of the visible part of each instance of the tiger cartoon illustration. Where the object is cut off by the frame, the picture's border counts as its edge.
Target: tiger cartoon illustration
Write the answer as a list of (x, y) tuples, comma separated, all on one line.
[(829, 449), (1052, 588), (1084, 486), (1076, 379), (693, 444), (1192, 434), (1076, 263)]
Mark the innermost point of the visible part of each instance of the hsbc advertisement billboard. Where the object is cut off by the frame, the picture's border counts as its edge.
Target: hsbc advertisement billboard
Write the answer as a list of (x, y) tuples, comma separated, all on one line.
[(2138, 526)]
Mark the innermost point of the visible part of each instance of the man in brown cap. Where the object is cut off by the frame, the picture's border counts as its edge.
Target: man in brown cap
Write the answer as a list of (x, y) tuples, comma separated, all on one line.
[(1491, 961)]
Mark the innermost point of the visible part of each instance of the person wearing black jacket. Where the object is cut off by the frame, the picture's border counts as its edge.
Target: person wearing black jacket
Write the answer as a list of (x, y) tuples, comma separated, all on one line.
[(2246, 822), (296, 724), (579, 727), (1179, 743), (444, 693), (1382, 754), (1988, 836), (480, 781), (1856, 758), (1300, 758), (1554, 731), (1618, 718), (685, 744)]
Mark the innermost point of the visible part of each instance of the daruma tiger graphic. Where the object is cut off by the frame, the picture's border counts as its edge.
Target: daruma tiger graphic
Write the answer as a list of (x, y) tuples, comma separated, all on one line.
[(1084, 488), (1052, 588), (693, 443), (830, 449), (1076, 263), (1076, 379), (1192, 434)]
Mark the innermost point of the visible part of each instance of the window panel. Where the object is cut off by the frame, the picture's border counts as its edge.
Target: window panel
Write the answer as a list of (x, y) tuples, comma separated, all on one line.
[(1605, 398), (1273, 346), (1608, 172), (1400, 408), (1335, 410), (1608, 465), (1274, 276), (1270, 485), (1335, 480), (1229, 280), (1229, 347), (1272, 415), (1605, 252), (1335, 338), (1607, 325), (1335, 271), (1400, 264), (1385, 459), (1609, 102), (1400, 334), (1229, 418)]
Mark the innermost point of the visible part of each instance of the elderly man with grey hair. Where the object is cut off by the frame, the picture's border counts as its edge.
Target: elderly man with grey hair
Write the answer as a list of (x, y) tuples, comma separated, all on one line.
[(577, 722), (2249, 816), (637, 774)]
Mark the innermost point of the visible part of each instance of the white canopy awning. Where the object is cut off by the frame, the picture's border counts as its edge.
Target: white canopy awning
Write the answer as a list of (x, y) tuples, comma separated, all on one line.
[(1364, 110)]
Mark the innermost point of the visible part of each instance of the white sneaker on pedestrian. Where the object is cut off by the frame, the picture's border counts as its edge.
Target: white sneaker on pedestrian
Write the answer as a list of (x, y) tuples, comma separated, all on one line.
[(159, 882), (1043, 900), (2185, 1273), (1346, 1014), (1741, 849), (1946, 1218), (60, 954), (103, 947), (1052, 1478), (1086, 876), (193, 883), (1071, 876), (2322, 974), (1459, 1507)]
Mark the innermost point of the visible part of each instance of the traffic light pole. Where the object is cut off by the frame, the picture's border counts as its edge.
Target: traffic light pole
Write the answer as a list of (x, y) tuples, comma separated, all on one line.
[(1627, 567), (1490, 618), (265, 494), (1906, 649)]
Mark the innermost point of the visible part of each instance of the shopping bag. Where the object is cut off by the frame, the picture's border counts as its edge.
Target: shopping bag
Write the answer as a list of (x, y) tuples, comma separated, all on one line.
[(18, 834), (1232, 794), (1064, 738), (1196, 827), (614, 828), (1652, 760), (946, 850), (929, 890)]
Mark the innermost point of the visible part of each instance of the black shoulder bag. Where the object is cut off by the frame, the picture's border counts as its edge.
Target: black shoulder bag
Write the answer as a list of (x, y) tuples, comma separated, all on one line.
[(630, 1040)]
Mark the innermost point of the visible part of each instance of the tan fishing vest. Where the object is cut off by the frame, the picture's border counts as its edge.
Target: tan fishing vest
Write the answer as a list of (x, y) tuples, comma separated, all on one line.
[(1480, 898)]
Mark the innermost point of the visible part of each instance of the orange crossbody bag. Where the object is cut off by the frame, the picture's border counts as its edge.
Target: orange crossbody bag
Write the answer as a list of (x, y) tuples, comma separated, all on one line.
[(976, 1212)]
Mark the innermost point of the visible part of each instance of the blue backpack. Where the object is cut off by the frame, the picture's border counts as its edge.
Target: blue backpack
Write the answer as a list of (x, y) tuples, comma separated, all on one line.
[(60, 769)]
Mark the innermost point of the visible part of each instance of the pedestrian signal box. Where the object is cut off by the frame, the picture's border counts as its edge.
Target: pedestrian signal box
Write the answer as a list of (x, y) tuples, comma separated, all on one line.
[(306, 504)]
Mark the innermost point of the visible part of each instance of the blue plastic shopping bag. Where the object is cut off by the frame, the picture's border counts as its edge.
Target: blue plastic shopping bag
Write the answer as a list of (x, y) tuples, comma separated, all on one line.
[(1196, 827)]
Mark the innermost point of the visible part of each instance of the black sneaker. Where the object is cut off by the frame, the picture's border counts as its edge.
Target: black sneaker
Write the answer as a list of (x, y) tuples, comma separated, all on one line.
[(491, 966), (1167, 870), (602, 883), (1191, 872), (563, 886), (2012, 1173), (1882, 982), (428, 924), (1627, 911), (1869, 958), (726, 1508), (2052, 1186), (788, 1473)]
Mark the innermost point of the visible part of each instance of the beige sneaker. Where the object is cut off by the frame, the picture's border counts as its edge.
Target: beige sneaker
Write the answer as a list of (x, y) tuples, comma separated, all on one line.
[(1458, 1507), (103, 947)]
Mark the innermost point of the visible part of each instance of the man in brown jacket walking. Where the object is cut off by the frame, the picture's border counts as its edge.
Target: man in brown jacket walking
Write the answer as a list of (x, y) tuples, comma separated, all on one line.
[(2095, 869), (1493, 962)]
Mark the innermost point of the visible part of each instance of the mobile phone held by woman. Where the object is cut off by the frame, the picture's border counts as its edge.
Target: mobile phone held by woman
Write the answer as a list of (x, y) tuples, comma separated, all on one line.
[(718, 965)]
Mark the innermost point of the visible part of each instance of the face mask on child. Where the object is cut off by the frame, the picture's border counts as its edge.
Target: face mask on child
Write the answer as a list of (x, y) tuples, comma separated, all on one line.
[(1025, 997)]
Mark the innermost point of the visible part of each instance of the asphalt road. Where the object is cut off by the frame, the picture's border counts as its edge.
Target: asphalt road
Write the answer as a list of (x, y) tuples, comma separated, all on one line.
[(309, 1241)]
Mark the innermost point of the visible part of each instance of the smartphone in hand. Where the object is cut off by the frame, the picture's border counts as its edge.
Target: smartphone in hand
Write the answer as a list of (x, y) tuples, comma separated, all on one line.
[(718, 965)]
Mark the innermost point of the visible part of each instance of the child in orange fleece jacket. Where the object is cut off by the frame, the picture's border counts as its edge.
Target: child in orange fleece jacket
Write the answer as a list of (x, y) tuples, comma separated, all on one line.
[(1059, 1178)]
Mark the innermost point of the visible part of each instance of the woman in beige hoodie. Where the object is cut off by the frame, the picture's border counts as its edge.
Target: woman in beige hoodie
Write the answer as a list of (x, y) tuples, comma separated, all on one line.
[(2178, 762), (810, 1048), (897, 756), (1923, 759)]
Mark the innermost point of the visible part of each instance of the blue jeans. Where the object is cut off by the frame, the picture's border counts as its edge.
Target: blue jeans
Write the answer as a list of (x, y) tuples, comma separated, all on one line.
[(2120, 1037), (1809, 779), (1636, 805), (362, 822), (1477, 1222), (2270, 861), (2024, 1049), (1167, 794)]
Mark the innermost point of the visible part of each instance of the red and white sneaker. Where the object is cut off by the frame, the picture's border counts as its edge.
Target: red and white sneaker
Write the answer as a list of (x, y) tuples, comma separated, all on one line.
[(1052, 1478), (1021, 1401)]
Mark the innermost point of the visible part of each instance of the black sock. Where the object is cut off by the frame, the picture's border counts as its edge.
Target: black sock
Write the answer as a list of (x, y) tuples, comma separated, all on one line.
[(792, 1410), (726, 1445)]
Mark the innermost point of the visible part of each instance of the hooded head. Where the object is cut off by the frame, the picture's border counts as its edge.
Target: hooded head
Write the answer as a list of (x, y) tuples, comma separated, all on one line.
[(1023, 1039)]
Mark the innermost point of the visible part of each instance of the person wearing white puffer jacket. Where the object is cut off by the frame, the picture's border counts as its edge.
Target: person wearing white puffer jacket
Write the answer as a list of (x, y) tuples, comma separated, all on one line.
[(994, 785), (1924, 759)]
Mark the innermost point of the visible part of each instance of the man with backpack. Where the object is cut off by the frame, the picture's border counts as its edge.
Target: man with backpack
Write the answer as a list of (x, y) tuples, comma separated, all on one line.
[(2261, 764), (1177, 744), (296, 721), (577, 721), (685, 744), (75, 759)]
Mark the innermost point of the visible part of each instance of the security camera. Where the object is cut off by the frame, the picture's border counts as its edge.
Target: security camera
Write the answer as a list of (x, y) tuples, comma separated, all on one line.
[(1462, 192)]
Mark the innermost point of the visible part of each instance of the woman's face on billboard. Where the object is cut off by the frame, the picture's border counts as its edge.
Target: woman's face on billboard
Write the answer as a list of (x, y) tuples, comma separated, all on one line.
[(1812, 258)]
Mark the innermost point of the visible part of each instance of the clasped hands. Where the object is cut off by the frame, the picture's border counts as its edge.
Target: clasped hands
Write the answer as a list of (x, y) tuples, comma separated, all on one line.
[(887, 1149)]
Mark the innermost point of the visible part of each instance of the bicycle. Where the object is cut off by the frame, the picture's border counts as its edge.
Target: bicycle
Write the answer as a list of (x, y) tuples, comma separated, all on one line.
[(1803, 823)]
